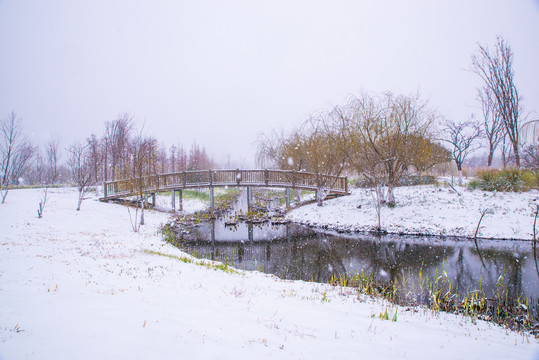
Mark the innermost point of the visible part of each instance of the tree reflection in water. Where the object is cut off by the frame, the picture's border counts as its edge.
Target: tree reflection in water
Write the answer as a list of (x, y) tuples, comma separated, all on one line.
[(300, 253)]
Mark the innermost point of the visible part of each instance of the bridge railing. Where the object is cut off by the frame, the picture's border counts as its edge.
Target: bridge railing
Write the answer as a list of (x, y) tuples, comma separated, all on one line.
[(212, 178)]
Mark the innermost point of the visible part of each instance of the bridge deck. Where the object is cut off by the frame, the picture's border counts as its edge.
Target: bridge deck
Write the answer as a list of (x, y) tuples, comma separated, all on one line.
[(220, 178)]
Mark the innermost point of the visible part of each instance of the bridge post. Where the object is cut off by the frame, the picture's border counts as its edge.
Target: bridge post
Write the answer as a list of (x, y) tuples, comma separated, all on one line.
[(288, 198), (212, 232), (250, 232), (266, 176), (180, 207), (173, 200), (153, 200), (211, 198), (249, 198)]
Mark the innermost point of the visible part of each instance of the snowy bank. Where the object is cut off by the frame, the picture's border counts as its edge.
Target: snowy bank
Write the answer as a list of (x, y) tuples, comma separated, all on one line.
[(429, 210), (83, 285)]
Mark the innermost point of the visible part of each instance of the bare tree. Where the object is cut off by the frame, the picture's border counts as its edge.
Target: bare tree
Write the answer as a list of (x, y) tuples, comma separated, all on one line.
[(182, 158), (493, 126), (198, 158), (496, 71), (462, 137), (144, 163), (81, 169), (95, 154), (38, 172), (162, 159), (52, 159), (16, 153), (117, 137)]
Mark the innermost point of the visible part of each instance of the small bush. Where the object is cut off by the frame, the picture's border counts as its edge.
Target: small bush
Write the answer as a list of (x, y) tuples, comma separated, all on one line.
[(506, 180)]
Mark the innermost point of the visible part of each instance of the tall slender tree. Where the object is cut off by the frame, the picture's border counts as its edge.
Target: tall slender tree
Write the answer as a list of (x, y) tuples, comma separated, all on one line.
[(495, 68), (52, 159), (81, 169)]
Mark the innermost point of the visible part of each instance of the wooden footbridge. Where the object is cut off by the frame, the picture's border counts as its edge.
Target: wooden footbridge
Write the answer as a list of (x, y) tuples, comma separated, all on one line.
[(176, 182)]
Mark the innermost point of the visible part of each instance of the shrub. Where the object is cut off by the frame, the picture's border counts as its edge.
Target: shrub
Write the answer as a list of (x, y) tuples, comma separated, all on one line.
[(505, 180)]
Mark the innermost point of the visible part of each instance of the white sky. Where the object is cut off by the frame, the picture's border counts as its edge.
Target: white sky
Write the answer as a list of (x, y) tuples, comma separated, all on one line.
[(224, 71)]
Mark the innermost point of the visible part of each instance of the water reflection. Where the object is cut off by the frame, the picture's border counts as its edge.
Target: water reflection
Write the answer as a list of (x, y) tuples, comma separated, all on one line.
[(297, 252)]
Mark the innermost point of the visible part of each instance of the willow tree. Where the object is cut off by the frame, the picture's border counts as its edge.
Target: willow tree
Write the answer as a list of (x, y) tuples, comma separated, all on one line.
[(307, 147), (321, 156), (388, 136)]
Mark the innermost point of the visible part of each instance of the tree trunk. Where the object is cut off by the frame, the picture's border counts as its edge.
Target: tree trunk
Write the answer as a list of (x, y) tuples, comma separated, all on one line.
[(380, 193), (321, 194), (390, 195), (142, 212), (490, 157), (80, 200), (517, 155), (461, 180)]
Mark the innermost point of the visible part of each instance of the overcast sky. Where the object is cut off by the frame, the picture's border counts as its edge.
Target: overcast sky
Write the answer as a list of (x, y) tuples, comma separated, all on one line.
[(224, 71)]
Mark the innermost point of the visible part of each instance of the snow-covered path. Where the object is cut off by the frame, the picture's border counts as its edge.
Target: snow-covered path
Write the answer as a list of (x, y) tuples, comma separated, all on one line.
[(82, 285)]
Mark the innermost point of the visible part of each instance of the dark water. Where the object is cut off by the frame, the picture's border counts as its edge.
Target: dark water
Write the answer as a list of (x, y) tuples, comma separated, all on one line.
[(296, 252)]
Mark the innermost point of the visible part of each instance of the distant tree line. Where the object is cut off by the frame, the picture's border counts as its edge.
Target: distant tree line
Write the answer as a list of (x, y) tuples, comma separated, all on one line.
[(119, 153)]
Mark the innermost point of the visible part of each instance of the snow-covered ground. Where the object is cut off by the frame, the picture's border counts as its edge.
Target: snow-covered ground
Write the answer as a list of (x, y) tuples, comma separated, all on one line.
[(429, 209), (83, 285)]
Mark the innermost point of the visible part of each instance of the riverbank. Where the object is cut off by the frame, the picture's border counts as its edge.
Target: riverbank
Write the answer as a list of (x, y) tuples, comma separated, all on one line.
[(428, 210), (84, 285)]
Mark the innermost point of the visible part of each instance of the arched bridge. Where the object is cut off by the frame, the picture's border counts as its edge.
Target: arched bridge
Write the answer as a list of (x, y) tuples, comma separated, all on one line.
[(287, 179)]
